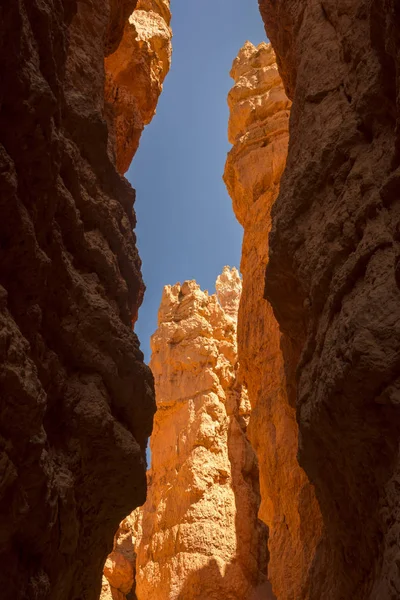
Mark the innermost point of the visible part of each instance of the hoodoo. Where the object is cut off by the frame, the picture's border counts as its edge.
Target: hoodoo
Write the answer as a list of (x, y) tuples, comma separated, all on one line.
[(198, 535), (258, 130)]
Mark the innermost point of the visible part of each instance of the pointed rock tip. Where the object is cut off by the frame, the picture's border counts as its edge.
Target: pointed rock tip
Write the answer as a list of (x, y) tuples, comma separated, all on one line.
[(243, 61), (243, 56)]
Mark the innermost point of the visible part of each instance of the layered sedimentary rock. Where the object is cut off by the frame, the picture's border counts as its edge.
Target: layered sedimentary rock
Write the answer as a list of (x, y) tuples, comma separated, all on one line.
[(198, 534), (76, 399), (258, 130), (333, 278), (135, 73)]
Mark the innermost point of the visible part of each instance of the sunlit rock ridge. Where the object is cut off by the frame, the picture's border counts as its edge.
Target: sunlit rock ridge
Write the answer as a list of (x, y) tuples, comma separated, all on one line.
[(199, 536), (258, 130), (135, 73)]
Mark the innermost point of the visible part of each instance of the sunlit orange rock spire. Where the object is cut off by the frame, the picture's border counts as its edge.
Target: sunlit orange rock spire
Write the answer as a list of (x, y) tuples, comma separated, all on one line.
[(258, 130), (201, 537), (198, 535), (134, 75)]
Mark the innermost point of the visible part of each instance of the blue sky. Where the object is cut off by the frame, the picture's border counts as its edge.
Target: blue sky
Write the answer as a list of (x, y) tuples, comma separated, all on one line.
[(186, 227)]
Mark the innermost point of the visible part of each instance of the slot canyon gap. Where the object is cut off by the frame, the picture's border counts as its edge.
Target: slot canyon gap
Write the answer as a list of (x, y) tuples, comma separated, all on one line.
[(274, 403)]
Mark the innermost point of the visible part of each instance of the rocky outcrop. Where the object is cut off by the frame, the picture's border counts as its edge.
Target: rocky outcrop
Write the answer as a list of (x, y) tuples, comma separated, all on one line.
[(258, 130), (119, 576), (135, 73), (333, 278), (199, 536), (76, 399)]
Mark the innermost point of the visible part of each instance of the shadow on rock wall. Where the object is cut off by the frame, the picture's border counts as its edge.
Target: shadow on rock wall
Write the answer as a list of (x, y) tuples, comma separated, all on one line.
[(196, 586)]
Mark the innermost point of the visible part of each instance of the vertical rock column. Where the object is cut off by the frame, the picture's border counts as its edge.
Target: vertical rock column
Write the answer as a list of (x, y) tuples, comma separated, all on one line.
[(258, 130), (200, 534)]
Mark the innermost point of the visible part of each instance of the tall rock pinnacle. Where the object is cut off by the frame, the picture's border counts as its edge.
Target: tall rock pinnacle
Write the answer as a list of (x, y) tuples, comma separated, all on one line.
[(258, 130), (199, 535)]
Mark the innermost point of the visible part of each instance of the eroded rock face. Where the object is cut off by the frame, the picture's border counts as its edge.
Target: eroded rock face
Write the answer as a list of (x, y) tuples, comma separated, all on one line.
[(119, 576), (333, 278), (199, 535), (135, 73), (258, 130), (76, 399)]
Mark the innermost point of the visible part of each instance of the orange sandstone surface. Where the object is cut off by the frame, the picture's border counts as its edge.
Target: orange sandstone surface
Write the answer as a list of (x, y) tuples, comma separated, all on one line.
[(120, 568), (134, 75), (258, 130), (198, 535)]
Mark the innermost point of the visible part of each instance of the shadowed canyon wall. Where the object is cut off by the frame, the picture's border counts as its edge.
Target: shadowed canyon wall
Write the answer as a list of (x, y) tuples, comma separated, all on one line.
[(333, 278), (198, 535), (77, 402), (258, 130)]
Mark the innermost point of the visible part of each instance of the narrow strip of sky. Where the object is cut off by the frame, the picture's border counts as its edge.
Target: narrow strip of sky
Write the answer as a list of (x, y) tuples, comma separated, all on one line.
[(186, 226)]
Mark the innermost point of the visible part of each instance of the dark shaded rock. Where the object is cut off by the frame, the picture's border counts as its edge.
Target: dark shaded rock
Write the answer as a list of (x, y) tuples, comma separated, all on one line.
[(76, 399), (333, 279)]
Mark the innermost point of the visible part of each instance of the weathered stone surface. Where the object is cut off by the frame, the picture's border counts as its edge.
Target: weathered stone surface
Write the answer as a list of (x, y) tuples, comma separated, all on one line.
[(258, 130), (119, 579), (135, 73), (119, 572), (200, 536), (333, 278), (76, 399)]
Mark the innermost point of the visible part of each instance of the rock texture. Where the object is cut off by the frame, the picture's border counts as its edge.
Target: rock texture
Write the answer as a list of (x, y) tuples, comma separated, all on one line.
[(119, 578), (333, 278), (199, 535), (76, 399), (135, 73), (258, 130)]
